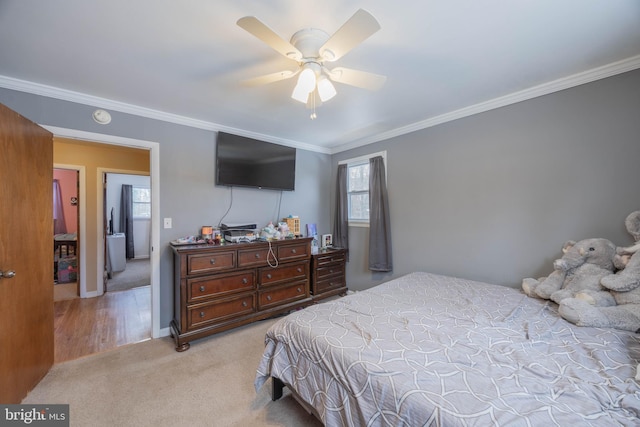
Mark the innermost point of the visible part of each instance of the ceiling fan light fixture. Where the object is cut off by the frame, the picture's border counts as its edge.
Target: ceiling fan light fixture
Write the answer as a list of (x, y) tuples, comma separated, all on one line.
[(326, 90), (306, 84), (307, 79), (300, 95)]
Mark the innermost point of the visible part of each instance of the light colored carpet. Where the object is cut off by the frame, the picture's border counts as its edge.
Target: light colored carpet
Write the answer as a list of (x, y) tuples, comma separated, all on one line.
[(136, 273), (150, 384)]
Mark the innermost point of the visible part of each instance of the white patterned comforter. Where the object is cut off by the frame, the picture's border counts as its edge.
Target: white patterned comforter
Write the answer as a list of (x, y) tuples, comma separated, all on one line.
[(435, 350)]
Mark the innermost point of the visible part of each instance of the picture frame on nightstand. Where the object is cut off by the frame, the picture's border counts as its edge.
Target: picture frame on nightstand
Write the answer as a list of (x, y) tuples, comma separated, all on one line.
[(327, 240)]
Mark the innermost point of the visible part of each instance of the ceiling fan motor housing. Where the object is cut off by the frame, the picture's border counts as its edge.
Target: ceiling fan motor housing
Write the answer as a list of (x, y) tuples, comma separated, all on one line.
[(309, 41)]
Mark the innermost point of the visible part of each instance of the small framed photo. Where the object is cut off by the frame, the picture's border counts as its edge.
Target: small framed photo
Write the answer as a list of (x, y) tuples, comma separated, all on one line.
[(327, 240)]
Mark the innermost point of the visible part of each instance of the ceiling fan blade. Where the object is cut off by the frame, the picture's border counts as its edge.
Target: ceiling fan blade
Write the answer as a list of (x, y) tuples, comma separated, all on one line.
[(353, 32), (254, 26), (361, 79), (270, 78)]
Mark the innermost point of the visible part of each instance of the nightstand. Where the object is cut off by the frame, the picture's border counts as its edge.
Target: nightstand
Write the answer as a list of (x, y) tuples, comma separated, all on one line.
[(328, 273)]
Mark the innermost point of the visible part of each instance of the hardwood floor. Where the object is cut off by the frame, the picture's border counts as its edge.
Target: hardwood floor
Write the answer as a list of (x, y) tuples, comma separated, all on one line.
[(84, 326)]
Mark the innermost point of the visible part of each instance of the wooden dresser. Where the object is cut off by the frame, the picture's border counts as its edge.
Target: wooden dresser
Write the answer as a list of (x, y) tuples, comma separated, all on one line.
[(328, 273), (224, 286)]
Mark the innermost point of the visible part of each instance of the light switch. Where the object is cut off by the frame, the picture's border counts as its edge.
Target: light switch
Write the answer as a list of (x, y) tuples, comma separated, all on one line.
[(167, 223)]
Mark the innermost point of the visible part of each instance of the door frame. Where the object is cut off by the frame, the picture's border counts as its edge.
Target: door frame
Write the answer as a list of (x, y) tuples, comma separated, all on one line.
[(82, 223), (154, 173)]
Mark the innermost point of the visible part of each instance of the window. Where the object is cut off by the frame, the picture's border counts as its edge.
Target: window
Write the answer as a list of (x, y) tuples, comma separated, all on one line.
[(141, 202), (358, 187)]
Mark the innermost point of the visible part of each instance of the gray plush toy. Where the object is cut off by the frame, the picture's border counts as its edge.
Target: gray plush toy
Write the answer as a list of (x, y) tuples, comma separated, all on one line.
[(581, 267), (543, 287), (587, 309)]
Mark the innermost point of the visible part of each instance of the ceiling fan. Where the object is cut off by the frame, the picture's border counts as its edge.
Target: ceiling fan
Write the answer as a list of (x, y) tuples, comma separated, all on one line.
[(312, 48)]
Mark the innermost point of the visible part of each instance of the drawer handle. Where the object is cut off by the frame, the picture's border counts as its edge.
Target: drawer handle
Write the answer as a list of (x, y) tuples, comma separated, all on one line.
[(330, 271), (268, 276), (202, 314), (201, 288), (244, 280), (299, 290), (268, 297), (293, 251), (299, 270), (212, 261), (244, 303), (257, 255)]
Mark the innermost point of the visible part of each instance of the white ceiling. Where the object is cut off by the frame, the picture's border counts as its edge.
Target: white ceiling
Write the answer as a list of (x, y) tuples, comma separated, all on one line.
[(183, 61)]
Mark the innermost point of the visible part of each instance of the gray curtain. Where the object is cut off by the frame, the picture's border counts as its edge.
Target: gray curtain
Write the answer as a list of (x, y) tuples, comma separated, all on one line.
[(341, 221), (126, 218), (59, 225), (380, 258)]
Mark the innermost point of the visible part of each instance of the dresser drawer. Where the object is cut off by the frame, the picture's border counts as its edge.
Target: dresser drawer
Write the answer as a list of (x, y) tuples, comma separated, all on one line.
[(330, 258), (328, 284), (211, 262), (268, 276), (330, 270), (293, 251), (220, 285), (215, 311), (282, 294), (256, 257)]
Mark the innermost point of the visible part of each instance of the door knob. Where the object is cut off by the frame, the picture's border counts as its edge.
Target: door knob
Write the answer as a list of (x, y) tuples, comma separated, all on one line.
[(7, 274)]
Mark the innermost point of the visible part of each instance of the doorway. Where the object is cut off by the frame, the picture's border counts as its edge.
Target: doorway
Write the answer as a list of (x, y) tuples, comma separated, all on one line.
[(89, 325), (66, 280), (127, 209), (154, 170)]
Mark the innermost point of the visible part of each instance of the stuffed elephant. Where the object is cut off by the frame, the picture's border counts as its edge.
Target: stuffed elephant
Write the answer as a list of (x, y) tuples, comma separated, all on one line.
[(580, 268), (543, 287), (587, 309)]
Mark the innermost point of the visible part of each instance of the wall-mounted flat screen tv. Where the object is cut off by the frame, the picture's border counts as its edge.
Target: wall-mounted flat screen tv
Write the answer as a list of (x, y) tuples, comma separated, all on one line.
[(247, 162)]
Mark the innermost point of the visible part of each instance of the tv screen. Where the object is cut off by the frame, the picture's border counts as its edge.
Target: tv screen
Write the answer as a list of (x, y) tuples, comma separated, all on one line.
[(247, 162)]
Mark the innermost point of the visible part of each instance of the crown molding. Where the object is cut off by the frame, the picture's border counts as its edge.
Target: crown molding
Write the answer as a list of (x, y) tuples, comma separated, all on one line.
[(108, 104), (584, 77)]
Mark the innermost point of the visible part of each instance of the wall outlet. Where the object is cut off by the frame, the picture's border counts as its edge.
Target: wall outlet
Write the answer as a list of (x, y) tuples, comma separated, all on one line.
[(167, 223)]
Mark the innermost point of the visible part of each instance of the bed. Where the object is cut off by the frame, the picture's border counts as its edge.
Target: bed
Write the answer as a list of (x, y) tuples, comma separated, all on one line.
[(427, 349)]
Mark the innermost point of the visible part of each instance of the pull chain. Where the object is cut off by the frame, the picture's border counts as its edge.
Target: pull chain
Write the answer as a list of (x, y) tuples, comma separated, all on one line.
[(313, 103)]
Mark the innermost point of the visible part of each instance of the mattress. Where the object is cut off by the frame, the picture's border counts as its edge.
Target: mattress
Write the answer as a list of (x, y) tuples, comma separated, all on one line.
[(427, 349)]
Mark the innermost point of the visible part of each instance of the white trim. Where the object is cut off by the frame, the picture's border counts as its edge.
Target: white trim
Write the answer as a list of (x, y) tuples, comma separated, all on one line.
[(362, 224), (82, 224), (365, 158), (588, 76), (578, 79), (108, 104), (358, 161), (100, 237), (154, 172)]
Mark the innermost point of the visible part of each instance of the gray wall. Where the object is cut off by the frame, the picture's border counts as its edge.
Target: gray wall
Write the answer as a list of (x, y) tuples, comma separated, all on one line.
[(494, 196), (187, 191), (490, 197)]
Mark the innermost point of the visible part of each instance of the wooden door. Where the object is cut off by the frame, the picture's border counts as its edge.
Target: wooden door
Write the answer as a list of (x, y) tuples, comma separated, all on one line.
[(26, 253)]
